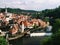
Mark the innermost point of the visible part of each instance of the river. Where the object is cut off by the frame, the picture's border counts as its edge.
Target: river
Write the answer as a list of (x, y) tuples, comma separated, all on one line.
[(26, 40)]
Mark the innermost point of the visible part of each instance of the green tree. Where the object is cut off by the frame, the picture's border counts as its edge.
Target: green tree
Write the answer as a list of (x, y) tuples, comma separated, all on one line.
[(3, 41), (56, 25)]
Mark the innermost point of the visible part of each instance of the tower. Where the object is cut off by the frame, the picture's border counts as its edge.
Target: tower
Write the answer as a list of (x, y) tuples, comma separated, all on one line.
[(22, 27), (5, 10)]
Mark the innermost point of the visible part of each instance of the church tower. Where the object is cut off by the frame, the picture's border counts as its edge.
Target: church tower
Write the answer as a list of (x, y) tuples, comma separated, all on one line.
[(6, 11)]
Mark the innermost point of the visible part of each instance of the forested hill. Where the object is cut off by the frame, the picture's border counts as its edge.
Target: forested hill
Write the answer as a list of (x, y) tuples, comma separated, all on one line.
[(36, 14), (17, 10)]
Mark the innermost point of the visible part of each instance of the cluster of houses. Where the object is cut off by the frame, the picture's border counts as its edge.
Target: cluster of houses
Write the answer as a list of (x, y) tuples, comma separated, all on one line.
[(20, 22)]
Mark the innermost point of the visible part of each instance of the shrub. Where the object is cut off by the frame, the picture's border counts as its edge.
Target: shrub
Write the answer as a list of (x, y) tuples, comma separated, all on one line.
[(3, 41), (46, 41), (56, 26)]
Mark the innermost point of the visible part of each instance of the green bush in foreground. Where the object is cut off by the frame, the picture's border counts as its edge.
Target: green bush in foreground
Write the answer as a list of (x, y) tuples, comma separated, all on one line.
[(56, 26), (46, 41), (53, 40), (3, 41)]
